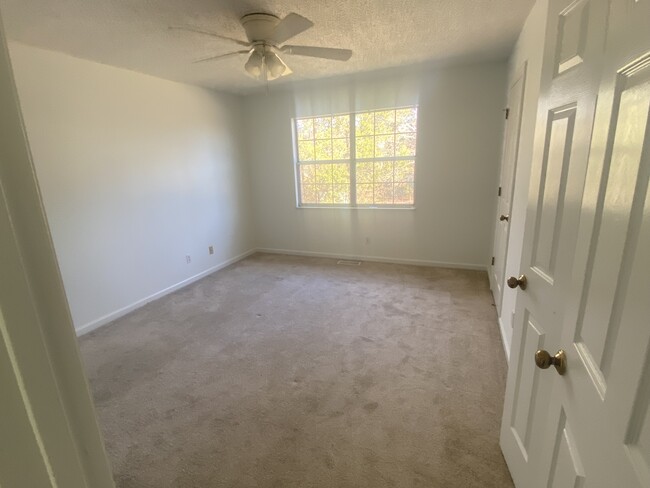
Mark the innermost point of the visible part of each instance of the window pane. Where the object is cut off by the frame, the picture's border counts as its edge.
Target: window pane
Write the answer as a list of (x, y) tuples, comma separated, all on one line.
[(365, 194), (307, 174), (340, 149), (384, 157), (323, 174), (404, 171), (383, 193), (404, 193), (405, 144), (365, 147), (341, 174), (305, 129), (323, 127), (365, 124), (324, 193), (406, 119), (323, 150), (384, 172), (305, 150), (364, 173), (341, 194), (308, 194), (341, 126), (384, 146), (385, 122)]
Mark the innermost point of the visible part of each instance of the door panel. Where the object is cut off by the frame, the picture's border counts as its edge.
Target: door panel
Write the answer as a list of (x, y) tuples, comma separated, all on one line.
[(637, 439), (526, 385), (609, 254), (572, 36), (566, 467), (630, 371), (555, 165)]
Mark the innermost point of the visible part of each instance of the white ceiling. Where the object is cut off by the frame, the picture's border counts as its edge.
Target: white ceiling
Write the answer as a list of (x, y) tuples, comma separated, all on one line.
[(134, 34)]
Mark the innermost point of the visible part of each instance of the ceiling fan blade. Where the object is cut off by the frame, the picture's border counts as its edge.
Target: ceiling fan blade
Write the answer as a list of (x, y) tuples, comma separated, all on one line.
[(318, 52), (221, 56), (211, 34), (291, 25)]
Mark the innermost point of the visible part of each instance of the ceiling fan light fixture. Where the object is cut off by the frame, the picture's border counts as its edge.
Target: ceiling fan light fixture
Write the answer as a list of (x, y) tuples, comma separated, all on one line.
[(255, 64), (274, 65)]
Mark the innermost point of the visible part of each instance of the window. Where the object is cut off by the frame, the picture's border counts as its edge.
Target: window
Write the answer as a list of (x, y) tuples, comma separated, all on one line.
[(363, 159)]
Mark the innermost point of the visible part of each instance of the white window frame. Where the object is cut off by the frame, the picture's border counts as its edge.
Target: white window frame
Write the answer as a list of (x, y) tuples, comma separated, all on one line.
[(353, 164)]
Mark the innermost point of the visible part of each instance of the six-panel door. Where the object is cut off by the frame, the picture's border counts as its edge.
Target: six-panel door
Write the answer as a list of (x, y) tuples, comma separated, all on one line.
[(573, 56), (598, 431)]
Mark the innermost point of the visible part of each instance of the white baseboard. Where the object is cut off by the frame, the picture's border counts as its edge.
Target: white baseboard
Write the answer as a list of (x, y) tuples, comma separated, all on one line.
[(378, 259), (95, 324)]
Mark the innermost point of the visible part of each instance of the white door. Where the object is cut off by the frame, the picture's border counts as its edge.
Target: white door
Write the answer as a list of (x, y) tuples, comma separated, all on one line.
[(506, 185), (598, 431), (587, 259)]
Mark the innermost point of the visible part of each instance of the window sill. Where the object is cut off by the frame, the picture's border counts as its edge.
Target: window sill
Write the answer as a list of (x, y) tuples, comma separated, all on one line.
[(327, 207)]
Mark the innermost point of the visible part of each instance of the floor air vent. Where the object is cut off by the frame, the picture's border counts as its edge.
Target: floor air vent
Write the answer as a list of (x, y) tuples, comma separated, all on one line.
[(349, 262)]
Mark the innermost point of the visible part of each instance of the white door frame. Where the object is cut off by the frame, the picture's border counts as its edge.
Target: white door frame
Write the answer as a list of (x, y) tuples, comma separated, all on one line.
[(48, 434)]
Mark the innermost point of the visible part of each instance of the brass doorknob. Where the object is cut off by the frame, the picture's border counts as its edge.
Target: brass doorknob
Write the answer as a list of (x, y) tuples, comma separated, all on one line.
[(544, 360), (521, 282), (504, 217)]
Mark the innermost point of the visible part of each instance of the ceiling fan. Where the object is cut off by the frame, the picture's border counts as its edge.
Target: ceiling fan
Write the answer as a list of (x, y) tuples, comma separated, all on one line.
[(266, 35)]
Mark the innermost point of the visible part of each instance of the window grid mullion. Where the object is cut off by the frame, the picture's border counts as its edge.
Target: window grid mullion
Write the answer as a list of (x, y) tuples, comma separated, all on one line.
[(353, 161), (296, 157), (386, 158), (394, 149), (374, 147), (325, 161)]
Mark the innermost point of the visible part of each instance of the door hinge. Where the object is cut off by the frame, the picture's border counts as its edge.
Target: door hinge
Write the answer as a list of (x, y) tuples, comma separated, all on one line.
[(507, 111), (492, 260), (499, 192)]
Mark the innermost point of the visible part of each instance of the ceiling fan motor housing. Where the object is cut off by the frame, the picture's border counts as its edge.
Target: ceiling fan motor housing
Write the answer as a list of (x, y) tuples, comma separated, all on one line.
[(259, 26)]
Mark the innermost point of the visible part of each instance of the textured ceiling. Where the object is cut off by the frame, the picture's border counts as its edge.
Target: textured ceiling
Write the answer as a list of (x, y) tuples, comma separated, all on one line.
[(134, 34)]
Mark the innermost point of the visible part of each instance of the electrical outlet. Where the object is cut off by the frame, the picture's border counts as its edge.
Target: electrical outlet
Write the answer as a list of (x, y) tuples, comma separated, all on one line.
[(188, 259), (211, 249)]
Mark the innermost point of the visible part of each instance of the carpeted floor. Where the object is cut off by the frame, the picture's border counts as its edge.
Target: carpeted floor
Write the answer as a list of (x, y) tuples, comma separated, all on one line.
[(297, 372)]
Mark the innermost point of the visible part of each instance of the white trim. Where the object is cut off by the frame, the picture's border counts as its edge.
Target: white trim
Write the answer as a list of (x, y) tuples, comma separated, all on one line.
[(20, 383), (378, 259), (95, 324), (503, 340), (343, 206)]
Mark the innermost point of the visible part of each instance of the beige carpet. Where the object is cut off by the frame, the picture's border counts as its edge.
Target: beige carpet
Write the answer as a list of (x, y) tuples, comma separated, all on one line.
[(297, 372)]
